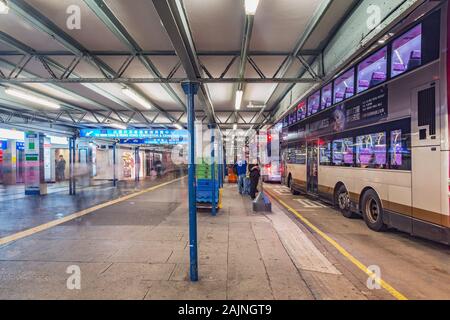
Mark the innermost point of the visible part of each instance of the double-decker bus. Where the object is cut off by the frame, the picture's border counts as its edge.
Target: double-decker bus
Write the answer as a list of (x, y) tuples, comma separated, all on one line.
[(374, 140), (271, 169)]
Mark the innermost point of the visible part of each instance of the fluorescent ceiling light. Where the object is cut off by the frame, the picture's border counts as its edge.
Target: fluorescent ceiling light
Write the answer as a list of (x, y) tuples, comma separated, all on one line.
[(178, 126), (118, 126), (136, 97), (251, 6), (235, 126), (4, 8), (239, 95), (31, 98)]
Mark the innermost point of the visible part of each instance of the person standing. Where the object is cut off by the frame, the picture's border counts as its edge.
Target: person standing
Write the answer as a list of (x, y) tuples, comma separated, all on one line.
[(241, 171), (255, 174), (60, 168)]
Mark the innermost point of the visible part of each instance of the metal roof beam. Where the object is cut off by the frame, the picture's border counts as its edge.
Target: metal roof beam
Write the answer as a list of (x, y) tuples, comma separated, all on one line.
[(40, 22), (102, 11), (164, 53), (130, 81), (174, 20), (312, 25)]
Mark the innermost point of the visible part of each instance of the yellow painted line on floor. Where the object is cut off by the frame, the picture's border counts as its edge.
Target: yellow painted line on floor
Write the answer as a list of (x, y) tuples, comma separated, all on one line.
[(396, 294), (54, 223)]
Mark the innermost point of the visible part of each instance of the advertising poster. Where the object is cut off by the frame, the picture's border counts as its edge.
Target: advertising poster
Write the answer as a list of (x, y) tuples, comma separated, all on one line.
[(32, 174)]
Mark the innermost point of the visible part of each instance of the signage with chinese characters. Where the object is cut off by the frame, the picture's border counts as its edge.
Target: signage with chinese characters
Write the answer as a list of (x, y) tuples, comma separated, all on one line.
[(133, 134)]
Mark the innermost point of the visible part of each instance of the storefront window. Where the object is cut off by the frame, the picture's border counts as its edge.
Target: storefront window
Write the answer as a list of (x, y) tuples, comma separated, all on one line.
[(344, 86), (371, 150), (372, 71), (314, 103), (327, 93), (407, 51), (343, 152)]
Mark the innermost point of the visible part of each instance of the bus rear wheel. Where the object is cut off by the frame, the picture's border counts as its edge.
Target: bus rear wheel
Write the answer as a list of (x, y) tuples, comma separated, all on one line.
[(372, 211), (342, 201)]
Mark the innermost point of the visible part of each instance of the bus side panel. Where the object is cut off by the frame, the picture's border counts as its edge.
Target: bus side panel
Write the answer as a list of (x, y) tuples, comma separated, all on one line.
[(298, 173)]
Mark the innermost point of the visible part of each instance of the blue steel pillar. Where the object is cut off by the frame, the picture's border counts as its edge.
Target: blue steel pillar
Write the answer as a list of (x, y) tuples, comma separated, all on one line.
[(191, 89), (72, 153), (212, 127), (114, 165)]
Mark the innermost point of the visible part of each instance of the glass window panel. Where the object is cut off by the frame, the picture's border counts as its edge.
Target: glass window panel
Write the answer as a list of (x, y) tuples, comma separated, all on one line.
[(344, 86), (314, 103), (343, 152), (372, 71), (301, 111), (325, 153), (371, 150), (400, 152), (407, 51), (327, 94)]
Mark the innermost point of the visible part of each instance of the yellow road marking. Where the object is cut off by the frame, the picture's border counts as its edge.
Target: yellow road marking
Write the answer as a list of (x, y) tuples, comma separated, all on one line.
[(78, 214), (396, 294)]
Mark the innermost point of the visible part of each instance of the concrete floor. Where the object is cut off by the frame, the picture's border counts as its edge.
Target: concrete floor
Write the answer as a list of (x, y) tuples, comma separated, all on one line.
[(27, 212), (138, 249), (418, 268)]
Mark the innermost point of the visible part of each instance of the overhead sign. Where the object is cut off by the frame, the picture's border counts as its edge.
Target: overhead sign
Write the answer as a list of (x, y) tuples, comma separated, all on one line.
[(133, 134), (157, 141)]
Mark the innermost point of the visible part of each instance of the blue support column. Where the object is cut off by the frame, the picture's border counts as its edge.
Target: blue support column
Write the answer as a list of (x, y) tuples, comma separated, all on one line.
[(72, 154), (137, 164), (212, 127), (191, 89), (114, 165)]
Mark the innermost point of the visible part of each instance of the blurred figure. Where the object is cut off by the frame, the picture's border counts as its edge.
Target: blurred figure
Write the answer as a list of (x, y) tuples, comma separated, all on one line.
[(241, 171), (159, 167), (60, 168), (255, 174)]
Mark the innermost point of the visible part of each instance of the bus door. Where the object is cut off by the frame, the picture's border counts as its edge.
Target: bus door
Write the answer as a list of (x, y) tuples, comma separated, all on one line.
[(312, 167), (426, 155)]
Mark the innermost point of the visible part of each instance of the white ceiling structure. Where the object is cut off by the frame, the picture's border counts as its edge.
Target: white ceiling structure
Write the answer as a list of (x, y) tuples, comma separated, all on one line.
[(149, 47)]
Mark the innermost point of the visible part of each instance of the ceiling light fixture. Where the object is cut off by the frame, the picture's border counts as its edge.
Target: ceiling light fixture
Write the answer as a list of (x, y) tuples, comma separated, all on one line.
[(4, 7), (239, 95), (235, 126), (31, 98), (137, 97), (178, 126), (251, 6)]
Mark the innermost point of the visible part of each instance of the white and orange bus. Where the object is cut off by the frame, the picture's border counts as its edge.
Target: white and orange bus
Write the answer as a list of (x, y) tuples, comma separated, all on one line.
[(374, 140)]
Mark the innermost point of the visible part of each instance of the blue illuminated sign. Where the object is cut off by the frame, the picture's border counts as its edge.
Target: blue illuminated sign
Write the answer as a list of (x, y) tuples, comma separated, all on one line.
[(158, 141), (134, 134), (20, 146)]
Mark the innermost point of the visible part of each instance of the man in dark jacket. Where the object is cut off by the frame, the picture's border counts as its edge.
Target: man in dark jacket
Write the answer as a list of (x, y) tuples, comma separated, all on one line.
[(254, 180), (60, 168)]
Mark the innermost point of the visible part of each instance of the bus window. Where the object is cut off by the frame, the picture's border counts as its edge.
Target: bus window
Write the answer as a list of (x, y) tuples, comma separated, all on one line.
[(325, 153), (301, 111), (314, 103), (372, 71), (326, 97), (344, 86), (407, 51), (371, 150), (400, 153), (343, 152)]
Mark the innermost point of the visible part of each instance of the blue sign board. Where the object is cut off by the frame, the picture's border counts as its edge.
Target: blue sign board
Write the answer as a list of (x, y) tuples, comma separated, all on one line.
[(4, 144), (158, 141), (20, 146), (134, 134)]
